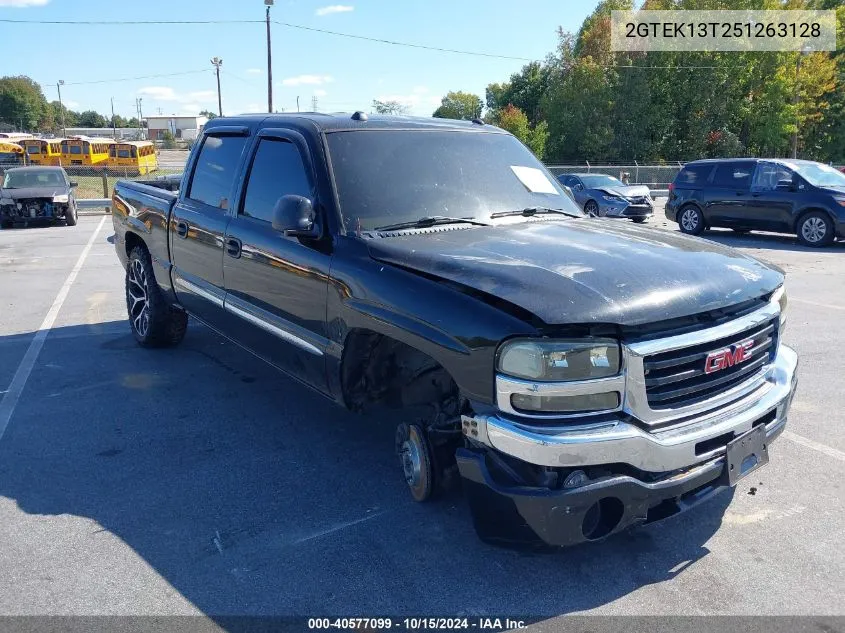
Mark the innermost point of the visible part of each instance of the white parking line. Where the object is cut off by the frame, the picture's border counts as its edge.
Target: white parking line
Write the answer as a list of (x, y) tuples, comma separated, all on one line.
[(817, 304), (816, 446), (10, 400)]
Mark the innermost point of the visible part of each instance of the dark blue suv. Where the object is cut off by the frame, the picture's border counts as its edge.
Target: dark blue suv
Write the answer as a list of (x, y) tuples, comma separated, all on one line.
[(771, 194)]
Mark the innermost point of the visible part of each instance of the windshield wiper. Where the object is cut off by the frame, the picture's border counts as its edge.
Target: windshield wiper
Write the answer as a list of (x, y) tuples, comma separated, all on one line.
[(427, 221), (529, 211)]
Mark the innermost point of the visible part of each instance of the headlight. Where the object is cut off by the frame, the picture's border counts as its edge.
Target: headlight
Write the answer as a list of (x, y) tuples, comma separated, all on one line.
[(60, 198), (614, 198), (779, 297), (559, 360)]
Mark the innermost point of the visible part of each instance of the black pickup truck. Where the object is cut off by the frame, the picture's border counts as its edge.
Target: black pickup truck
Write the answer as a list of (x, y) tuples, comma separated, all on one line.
[(581, 376)]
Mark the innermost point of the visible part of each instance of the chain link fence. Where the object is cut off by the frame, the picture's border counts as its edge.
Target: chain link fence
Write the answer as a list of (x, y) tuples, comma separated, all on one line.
[(654, 176)]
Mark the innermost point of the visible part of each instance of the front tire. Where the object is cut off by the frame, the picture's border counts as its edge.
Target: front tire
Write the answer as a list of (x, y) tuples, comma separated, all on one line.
[(639, 220), (591, 208), (691, 220), (71, 215), (815, 229), (154, 322)]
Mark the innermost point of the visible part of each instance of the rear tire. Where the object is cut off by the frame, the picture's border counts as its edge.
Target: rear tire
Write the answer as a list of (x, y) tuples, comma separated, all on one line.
[(154, 322), (640, 220), (691, 220), (71, 215), (5, 224), (815, 229)]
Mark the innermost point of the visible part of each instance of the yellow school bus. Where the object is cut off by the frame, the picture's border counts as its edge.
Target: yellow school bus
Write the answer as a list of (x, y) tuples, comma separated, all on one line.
[(133, 157), (43, 151), (11, 154), (85, 151)]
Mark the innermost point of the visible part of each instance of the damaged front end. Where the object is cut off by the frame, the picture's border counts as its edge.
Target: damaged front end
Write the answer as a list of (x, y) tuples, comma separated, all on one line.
[(26, 209), (671, 433)]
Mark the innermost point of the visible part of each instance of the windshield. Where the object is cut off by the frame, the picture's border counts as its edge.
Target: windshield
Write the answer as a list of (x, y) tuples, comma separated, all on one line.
[(820, 175), (23, 179), (386, 177), (600, 180)]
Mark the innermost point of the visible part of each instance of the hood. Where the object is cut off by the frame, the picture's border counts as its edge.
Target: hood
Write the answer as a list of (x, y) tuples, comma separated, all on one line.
[(582, 271), (629, 191), (34, 192)]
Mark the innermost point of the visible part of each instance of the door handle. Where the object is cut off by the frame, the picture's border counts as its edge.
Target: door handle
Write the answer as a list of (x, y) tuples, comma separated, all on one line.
[(233, 247), (182, 229)]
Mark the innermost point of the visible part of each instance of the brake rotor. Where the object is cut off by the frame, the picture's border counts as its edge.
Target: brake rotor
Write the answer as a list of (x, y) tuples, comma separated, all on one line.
[(416, 459)]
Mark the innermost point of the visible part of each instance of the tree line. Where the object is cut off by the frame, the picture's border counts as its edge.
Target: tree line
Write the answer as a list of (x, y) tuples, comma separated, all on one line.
[(23, 106), (584, 102)]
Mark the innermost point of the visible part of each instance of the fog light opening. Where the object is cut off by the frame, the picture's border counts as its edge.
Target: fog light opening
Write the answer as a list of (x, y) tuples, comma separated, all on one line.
[(602, 518)]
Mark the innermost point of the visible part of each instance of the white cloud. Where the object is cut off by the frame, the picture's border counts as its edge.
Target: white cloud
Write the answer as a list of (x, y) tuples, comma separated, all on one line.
[(191, 107), (22, 4), (253, 71), (310, 80), (202, 95), (416, 102), (319, 92), (161, 93), (420, 90), (334, 8)]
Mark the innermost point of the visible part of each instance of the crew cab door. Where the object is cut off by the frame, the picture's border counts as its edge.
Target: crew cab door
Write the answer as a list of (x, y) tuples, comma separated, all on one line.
[(729, 194), (198, 224), (276, 286)]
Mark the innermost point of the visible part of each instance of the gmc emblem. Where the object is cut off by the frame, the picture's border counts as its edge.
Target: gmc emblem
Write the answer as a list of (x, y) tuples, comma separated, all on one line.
[(728, 357)]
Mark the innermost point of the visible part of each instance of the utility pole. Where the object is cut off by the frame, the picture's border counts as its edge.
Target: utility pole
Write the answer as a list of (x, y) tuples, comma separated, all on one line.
[(269, 4), (141, 117), (61, 107), (313, 103), (297, 103), (217, 63), (113, 124)]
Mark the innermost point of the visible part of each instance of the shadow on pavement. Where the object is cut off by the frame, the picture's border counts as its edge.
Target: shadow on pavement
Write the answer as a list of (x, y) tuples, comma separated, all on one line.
[(252, 496), (770, 241)]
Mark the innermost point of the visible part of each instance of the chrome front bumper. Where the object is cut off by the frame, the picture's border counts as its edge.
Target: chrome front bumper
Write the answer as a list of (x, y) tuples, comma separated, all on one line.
[(679, 444)]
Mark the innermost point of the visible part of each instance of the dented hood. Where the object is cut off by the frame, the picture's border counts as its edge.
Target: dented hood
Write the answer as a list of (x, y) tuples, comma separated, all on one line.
[(586, 270), (34, 192)]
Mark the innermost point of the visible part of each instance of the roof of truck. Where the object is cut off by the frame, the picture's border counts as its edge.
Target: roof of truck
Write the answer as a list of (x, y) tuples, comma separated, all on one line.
[(349, 121)]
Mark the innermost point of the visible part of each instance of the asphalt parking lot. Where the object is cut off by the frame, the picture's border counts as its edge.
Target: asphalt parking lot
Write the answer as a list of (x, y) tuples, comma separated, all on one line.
[(198, 480)]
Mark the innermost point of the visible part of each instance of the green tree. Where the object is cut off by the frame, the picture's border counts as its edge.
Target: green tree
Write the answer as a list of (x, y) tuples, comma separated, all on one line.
[(168, 140), (525, 90), (90, 118), (22, 103), (389, 107), (515, 121), (459, 105), (208, 114), (117, 121)]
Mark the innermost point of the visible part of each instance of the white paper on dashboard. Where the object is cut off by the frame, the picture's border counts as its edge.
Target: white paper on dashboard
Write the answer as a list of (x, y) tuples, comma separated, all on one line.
[(534, 179)]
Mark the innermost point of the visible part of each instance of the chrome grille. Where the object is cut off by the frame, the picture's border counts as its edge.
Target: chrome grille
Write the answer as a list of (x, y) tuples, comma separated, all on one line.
[(677, 378)]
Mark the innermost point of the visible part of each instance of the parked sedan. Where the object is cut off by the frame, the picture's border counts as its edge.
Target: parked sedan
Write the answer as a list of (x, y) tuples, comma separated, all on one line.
[(602, 195), (29, 194)]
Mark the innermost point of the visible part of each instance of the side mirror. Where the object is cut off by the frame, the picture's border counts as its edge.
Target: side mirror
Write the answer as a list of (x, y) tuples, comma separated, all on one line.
[(567, 190), (785, 185), (577, 187), (73, 184), (294, 216)]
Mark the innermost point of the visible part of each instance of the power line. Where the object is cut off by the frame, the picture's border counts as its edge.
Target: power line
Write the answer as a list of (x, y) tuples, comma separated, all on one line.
[(285, 24), (108, 81)]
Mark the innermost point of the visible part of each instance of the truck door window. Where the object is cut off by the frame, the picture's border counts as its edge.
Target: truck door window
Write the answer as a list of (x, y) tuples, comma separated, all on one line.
[(215, 171), (277, 170)]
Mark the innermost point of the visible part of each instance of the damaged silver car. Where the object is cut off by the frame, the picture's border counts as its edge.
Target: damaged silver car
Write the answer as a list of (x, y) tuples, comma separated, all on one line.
[(31, 194)]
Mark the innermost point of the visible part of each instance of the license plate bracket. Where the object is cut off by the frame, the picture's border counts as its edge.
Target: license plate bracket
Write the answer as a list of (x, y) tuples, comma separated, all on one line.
[(746, 453)]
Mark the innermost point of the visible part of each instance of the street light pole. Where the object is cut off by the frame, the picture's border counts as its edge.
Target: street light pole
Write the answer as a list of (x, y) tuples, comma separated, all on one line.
[(61, 107), (269, 4), (217, 63)]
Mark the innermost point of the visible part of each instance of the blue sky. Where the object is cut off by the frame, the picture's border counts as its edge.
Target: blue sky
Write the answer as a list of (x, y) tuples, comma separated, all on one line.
[(343, 73)]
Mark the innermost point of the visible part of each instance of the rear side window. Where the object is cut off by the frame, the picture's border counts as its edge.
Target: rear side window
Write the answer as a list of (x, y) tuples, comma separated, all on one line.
[(277, 171), (694, 175), (215, 170), (734, 175)]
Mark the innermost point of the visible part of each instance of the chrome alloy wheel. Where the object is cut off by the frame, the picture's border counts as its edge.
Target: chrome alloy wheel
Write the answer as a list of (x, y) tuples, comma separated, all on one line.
[(689, 220), (137, 292), (813, 229)]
